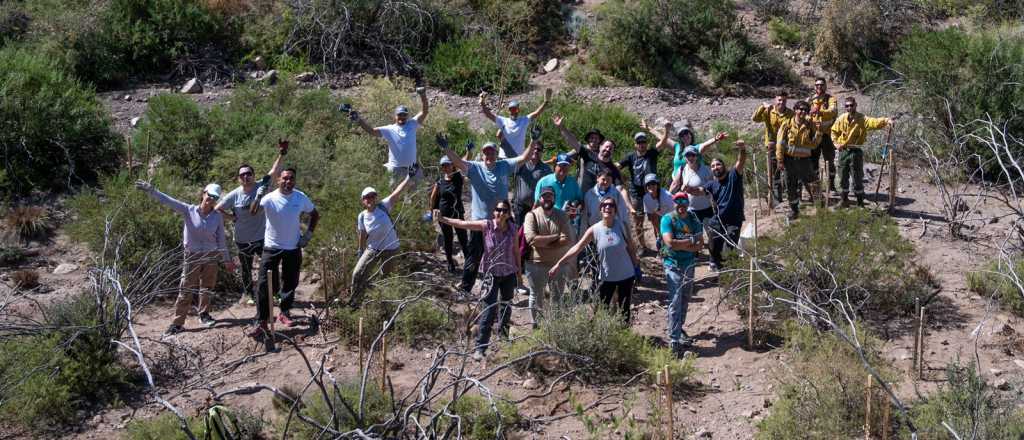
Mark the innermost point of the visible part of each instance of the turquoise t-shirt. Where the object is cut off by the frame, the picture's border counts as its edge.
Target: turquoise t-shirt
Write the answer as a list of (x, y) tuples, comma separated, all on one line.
[(679, 227), (565, 192)]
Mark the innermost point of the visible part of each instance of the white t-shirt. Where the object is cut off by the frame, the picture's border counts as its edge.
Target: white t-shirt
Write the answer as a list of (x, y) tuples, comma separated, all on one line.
[(514, 131), (282, 231), (662, 206), (695, 179), (401, 141), (380, 232)]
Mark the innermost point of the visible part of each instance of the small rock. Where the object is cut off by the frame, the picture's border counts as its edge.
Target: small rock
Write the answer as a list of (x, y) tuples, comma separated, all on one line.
[(259, 63), (193, 86), (944, 342), (1019, 363), (995, 372), (752, 413), (767, 403), (270, 77), (1002, 385), (551, 65), (255, 75), (134, 122), (314, 278), (127, 97), (531, 384), (305, 77), (650, 311), (702, 433), (65, 268), (691, 409), (1003, 329)]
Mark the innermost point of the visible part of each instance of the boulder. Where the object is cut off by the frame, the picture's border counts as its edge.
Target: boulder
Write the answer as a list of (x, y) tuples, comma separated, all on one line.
[(305, 77), (192, 86), (551, 65), (65, 268)]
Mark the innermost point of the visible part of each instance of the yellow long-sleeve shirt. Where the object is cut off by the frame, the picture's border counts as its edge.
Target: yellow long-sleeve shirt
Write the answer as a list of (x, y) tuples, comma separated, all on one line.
[(851, 129), (772, 120), (796, 140), (828, 109)]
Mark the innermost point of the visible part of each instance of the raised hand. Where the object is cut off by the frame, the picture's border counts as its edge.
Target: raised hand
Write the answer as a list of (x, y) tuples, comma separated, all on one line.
[(143, 185), (483, 98), (469, 146), (414, 169), (421, 91), (557, 120), (282, 146), (721, 135), (547, 94), (353, 116), (442, 141)]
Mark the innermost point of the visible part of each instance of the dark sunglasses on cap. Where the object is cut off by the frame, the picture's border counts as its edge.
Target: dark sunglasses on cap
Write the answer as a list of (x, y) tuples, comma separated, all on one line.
[(245, 174)]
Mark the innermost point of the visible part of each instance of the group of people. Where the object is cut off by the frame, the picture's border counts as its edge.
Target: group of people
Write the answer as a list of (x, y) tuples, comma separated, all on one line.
[(530, 224)]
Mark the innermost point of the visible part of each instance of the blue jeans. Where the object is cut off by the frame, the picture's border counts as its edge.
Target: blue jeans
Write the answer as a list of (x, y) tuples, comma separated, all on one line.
[(505, 287), (680, 288)]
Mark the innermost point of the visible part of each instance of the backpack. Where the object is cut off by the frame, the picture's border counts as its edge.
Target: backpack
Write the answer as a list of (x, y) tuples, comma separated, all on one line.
[(525, 250)]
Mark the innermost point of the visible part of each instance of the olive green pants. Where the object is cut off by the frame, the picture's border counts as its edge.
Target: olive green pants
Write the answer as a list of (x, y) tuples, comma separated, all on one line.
[(851, 161)]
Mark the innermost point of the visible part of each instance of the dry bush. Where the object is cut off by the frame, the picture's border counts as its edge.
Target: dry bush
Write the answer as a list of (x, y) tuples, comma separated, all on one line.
[(29, 223), (25, 279)]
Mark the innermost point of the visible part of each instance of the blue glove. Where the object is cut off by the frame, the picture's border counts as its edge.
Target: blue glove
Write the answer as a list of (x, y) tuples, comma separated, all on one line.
[(427, 217), (638, 273)]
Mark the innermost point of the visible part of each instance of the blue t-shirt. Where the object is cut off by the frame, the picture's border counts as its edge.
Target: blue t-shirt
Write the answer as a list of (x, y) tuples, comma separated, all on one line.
[(727, 194), (488, 186), (680, 228), (564, 192)]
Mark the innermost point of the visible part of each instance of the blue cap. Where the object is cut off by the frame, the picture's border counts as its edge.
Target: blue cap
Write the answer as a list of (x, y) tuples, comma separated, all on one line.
[(563, 159), (401, 110), (513, 103), (692, 149)]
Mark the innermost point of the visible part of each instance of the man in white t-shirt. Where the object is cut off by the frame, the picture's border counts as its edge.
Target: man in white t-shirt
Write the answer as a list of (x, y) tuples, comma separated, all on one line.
[(400, 137), (378, 238), (512, 130), (657, 202), (283, 241)]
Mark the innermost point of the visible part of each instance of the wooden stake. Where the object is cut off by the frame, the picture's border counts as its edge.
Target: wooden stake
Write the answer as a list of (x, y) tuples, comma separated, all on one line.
[(384, 359), (323, 280), (668, 393), (659, 392), (893, 179), (917, 338), (360, 344), (885, 419), (920, 344), (867, 410), (750, 290), (771, 181), (131, 168)]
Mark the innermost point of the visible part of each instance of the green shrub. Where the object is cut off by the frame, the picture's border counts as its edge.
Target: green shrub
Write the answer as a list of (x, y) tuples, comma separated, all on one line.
[(968, 405), (852, 34), (726, 62), (11, 255), (614, 121), (988, 10), (851, 256), (422, 320), (995, 280), (46, 377), (583, 75), (175, 127), (25, 279), (376, 409), (29, 222), (821, 389), (523, 22), (477, 63), (478, 420), (604, 349), (784, 33), (167, 426), (975, 74), (57, 131)]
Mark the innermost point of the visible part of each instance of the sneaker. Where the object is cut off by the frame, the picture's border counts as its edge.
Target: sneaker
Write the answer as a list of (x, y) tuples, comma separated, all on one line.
[(478, 355), (451, 267), (714, 267), (285, 320), (256, 331), (793, 215), (173, 330), (207, 320)]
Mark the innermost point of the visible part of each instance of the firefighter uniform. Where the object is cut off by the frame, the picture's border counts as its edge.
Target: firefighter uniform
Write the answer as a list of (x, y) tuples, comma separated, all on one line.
[(773, 120), (824, 109), (796, 147), (849, 132)]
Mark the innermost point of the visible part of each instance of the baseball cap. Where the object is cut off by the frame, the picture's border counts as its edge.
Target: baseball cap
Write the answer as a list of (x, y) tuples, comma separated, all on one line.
[(563, 159), (650, 178), (367, 191), (401, 110), (680, 198), (490, 145), (692, 149), (513, 103), (212, 190), (445, 160), (640, 135), (547, 189), (594, 131), (683, 126)]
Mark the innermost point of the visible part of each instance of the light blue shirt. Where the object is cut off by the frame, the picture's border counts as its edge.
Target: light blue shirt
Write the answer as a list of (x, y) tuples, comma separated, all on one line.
[(564, 192), (488, 186)]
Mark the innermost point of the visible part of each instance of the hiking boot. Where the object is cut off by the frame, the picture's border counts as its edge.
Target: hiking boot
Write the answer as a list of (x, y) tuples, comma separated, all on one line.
[(715, 267), (285, 320), (257, 330), (793, 214), (451, 267), (478, 355), (173, 330), (207, 320), (860, 200), (844, 201)]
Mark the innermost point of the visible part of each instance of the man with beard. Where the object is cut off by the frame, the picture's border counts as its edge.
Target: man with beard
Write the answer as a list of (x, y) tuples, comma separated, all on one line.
[(400, 137), (798, 140), (824, 109), (527, 176), (849, 132), (726, 192), (592, 162), (772, 116), (549, 235), (283, 241), (566, 189), (513, 129)]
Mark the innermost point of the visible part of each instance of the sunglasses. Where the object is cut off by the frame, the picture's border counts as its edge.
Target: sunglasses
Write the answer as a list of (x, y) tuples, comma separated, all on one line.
[(245, 174), (501, 210), (849, 105), (819, 85), (289, 178), (607, 205), (642, 141)]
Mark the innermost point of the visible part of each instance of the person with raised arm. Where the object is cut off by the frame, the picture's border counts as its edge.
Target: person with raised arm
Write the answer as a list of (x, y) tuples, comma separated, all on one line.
[(773, 115), (205, 246), (726, 192), (377, 242), (488, 183), (513, 129), (500, 261), (400, 137), (446, 195)]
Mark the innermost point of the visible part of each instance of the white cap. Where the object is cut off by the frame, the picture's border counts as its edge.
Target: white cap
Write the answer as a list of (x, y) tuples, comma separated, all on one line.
[(367, 191), (213, 190)]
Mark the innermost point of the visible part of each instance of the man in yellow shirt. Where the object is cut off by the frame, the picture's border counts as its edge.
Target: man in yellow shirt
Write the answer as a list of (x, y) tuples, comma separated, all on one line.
[(798, 139), (772, 116), (849, 132), (824, 109)]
